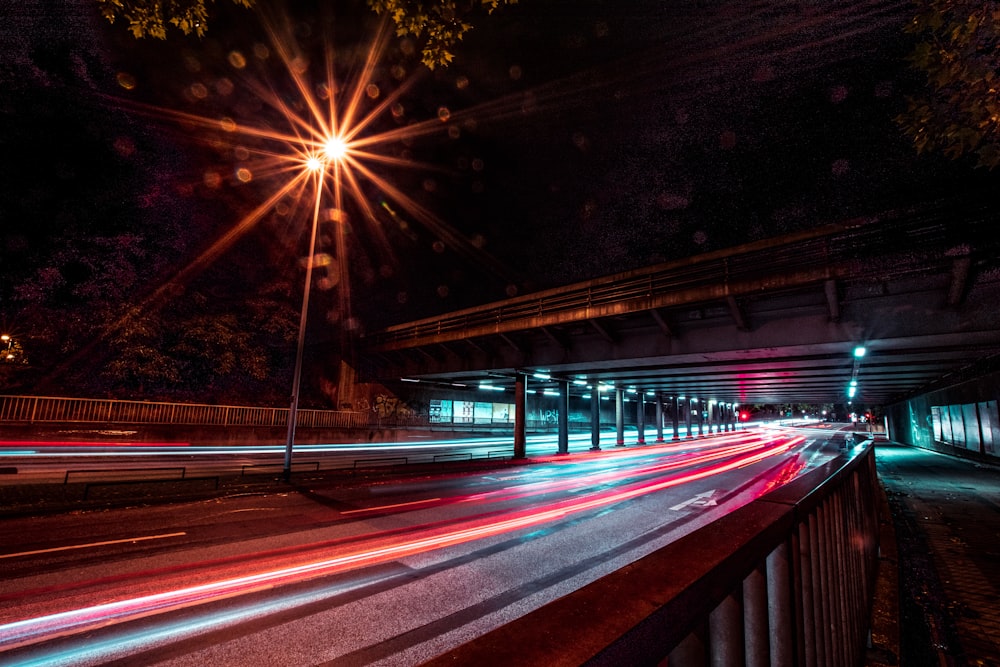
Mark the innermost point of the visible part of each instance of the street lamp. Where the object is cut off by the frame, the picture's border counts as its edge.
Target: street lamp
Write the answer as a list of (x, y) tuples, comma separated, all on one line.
[(8, 344), (317, 165)]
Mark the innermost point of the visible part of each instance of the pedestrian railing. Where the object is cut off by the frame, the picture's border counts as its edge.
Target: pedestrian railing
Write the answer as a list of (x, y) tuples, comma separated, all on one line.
[(788, 579), (41, 409)]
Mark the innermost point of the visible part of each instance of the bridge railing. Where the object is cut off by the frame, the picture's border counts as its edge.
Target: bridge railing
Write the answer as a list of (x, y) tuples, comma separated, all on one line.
[(788, 579), (857, 250), (51, 409), (41, 409)]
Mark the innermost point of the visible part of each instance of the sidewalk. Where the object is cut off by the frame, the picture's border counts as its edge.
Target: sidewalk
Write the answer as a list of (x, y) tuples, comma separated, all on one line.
[(946, 514)]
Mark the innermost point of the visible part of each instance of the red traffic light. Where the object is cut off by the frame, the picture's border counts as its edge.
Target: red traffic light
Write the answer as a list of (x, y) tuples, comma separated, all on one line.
[(744, 416)]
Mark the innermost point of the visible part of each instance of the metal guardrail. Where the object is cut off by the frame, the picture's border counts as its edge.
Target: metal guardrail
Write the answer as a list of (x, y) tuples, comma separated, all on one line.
[(38, 409), (788, 579), (50, 409), (131, 474)]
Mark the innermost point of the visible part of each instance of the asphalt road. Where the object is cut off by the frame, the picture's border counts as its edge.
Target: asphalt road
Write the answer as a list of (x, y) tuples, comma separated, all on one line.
[(388, 573)]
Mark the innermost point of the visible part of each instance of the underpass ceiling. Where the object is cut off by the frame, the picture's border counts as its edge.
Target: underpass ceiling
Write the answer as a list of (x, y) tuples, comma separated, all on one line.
[(777, 333)]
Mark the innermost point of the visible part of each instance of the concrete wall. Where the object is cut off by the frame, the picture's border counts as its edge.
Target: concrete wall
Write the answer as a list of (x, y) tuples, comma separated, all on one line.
[(960, 419)]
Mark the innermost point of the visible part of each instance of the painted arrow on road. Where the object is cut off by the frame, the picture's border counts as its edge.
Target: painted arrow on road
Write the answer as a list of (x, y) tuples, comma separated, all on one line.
[(701, 500)]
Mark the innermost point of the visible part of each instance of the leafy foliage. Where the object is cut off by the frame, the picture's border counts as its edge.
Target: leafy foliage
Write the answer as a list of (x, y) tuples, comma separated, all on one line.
[(437, 25), (958, 53), (151, 18)]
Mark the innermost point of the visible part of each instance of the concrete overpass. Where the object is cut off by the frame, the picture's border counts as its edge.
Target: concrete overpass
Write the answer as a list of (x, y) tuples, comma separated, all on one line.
[(775, 321)]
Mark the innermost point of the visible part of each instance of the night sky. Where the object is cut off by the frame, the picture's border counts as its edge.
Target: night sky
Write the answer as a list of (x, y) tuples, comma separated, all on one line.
[(568, 140)]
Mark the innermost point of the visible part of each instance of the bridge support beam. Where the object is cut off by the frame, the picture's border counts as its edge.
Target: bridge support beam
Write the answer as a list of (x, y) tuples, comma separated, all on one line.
[(520, 406), (563, 417), (687, 418)]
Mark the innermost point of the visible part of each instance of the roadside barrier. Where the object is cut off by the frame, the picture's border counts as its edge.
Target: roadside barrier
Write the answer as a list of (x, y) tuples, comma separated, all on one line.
[(788, 579)]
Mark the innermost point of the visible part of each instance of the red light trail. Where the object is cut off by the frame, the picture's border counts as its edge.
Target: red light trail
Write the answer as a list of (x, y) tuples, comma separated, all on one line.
[(654, 469)]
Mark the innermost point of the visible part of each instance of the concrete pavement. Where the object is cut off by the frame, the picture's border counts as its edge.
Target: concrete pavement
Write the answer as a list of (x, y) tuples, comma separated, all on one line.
[(946, 517)]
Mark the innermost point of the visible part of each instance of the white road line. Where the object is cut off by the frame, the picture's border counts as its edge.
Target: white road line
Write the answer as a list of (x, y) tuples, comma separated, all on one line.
[(93, 544), (387, 507)]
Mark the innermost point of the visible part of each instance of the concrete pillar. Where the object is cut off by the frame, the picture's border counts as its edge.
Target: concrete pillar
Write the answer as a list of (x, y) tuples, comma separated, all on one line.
[(687, 417), (675, 415), (620, 417), (595, 418), (659, 417), (701, 418), (640, 418), (725, 633), (563, 417), (520, 405)]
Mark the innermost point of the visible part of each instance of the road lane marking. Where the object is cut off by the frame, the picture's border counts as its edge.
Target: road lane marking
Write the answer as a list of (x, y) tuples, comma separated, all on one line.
[(389, 507), (93, 544), (701, 500)]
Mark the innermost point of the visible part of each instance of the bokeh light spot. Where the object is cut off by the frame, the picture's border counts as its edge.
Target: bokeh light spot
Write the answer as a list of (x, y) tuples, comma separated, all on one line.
[(237, 60), (372, 91), (244, 175), (126, 81), (515, 72), (124, 146), (438, 246), (443, 113), (670, 201), (212, 179), (224, 86), (198, 91), (838, 94), (462, 82)]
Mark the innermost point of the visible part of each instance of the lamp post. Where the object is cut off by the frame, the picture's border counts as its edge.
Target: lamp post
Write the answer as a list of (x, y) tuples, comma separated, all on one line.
[(334, 150)]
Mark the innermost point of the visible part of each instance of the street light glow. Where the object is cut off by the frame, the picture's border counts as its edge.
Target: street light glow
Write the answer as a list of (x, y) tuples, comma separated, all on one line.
[(335, 149)]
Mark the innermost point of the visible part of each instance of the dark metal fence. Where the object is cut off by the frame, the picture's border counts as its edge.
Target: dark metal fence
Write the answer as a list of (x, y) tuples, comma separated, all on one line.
[(787, 580), (40, 409)]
